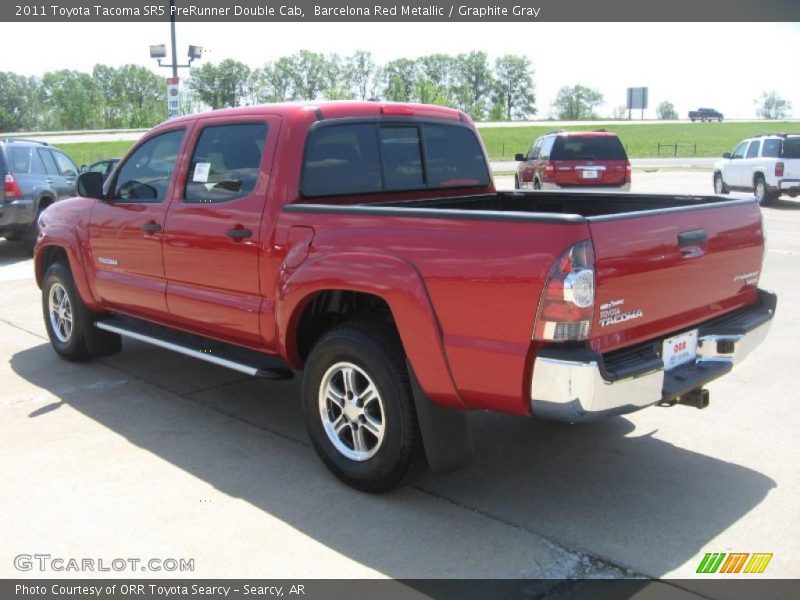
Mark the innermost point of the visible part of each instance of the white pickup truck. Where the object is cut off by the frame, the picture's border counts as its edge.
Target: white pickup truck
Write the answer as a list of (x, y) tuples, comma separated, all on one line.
[(768, 165)]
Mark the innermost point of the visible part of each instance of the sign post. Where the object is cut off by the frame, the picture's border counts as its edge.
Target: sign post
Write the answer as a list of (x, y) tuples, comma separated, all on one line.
[(173, 97), (637, 98)]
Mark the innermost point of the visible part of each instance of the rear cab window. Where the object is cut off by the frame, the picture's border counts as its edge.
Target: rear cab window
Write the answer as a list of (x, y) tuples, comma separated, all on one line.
[(588, 147), (360, 158)]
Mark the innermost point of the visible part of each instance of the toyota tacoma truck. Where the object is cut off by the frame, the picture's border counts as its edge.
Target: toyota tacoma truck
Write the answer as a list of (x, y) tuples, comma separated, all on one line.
[(362, 246)]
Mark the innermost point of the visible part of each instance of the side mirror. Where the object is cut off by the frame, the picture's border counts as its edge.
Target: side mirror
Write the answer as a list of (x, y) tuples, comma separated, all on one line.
[(90, 185), (519, 157), (726, 155)]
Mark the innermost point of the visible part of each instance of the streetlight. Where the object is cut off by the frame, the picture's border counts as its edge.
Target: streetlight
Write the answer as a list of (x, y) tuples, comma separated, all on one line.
[(159, 52)]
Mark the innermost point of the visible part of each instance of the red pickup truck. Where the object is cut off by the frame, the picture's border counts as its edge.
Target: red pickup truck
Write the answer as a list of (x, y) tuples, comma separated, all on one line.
[(364, 244)]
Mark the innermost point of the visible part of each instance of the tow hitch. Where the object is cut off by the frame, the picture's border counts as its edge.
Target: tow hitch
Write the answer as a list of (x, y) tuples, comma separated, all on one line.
[(697, 398)]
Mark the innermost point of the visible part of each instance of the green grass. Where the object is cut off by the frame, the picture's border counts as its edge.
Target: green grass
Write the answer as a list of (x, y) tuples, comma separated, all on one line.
[(641, 141), (86, 153)]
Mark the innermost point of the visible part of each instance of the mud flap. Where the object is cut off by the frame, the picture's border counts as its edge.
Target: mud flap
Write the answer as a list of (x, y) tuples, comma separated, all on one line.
[(446, 435)]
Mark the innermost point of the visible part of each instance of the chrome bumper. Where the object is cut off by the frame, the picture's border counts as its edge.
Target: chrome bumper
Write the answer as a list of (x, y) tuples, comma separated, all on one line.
[(580, 387)]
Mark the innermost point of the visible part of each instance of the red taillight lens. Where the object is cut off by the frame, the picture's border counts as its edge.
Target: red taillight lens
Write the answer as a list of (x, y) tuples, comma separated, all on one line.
[(567, 304), (627, 172), (10, 187), (549, 171), (779, 169)]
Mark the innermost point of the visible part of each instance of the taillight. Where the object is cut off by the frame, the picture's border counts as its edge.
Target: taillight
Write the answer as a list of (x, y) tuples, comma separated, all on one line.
[(549, 171), (10, 187), (627, 172), (779, 169), (567, 304)]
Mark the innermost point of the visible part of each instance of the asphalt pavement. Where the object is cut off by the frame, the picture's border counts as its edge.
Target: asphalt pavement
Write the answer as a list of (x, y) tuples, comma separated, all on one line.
[(152, 454)]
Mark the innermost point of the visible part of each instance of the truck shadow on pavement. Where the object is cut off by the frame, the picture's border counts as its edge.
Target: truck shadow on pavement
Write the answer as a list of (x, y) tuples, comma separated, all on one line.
[(627, 497)]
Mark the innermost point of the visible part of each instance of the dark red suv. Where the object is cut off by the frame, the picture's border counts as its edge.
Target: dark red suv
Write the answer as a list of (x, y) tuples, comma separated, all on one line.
[(574, 159)]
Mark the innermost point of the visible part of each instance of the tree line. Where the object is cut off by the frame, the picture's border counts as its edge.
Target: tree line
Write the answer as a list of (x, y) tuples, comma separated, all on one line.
[(132, 96)]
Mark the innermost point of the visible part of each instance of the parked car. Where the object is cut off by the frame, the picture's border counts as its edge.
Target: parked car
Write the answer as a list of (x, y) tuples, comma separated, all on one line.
[(705, 114), (364, 244), (574, 159), (104, 167), (767, 165), (34, 176)]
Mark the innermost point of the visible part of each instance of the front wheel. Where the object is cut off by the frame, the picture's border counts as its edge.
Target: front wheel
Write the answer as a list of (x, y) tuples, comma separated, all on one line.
[(69, 323), (719, 184), (359, 409)]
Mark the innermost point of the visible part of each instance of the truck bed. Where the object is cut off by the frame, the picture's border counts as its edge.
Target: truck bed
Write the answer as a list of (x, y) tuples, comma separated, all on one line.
[(593, 205)]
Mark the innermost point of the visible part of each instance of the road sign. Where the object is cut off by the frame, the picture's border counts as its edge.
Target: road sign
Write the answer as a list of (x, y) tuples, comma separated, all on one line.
[(173, 97)]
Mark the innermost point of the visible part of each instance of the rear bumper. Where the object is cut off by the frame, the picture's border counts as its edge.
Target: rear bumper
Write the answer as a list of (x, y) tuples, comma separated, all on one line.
[(787, 185), (554, 187), (16, 214), (575, 385)]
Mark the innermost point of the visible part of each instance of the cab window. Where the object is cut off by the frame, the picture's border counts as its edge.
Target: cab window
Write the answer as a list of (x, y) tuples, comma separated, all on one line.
[(145, 175), (225, 163), (65, 166)]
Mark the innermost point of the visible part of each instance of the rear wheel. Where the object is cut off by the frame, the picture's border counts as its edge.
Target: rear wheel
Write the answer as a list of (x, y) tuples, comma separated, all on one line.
[(69, 324), (761, 191), (359, 409), (719, 184)]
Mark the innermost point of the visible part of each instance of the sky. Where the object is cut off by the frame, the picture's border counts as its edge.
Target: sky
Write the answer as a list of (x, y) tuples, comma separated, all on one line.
[(726, 66)]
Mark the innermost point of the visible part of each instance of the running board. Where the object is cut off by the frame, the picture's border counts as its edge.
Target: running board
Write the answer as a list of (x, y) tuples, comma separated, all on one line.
[(233, 357)]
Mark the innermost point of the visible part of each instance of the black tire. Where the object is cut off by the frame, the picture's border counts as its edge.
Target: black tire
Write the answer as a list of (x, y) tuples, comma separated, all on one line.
[(375, 349), (762, 192), (84, 340), (719, 184)]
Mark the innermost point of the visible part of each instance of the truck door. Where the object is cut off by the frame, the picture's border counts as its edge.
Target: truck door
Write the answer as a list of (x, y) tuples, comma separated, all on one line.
[(126, 229), (213, 234)]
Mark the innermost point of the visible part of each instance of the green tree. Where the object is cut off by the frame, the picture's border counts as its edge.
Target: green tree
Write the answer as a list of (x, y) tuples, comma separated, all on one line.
[(475, 83), (666, 111), (514, 86), (772, 106), (20, 102), (399, 77), (360, 70), (72, 100), (311, 74), (221, 86), (577, 103), (436, 79)]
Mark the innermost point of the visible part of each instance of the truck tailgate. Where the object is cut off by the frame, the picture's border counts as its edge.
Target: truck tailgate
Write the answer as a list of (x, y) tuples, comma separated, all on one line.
[(662, 272)]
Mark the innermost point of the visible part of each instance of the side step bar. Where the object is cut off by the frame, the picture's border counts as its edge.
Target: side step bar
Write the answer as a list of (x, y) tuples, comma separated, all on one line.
[(233, 357)]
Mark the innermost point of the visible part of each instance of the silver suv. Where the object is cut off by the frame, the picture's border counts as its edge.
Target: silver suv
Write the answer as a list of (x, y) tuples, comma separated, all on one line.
[(34, 176)]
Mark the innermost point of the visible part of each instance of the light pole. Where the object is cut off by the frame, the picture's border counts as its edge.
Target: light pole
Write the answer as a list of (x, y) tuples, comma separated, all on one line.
[(159, 52)]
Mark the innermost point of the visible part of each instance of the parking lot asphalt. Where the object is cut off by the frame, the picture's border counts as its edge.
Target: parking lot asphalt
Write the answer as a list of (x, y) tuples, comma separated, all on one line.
[(150, 454)]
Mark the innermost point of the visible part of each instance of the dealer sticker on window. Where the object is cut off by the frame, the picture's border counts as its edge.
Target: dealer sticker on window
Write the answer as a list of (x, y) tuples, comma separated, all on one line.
[(679, 350)]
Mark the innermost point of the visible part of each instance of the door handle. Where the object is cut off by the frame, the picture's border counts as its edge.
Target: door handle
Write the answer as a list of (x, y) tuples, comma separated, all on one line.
[(151, 227), (687, 239), (239, 233)]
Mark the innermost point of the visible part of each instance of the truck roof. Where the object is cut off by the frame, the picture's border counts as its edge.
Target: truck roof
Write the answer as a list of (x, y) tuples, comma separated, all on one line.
[(334, 109)]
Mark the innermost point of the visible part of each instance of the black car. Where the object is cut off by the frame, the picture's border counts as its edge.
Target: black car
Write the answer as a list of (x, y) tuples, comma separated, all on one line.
[(35, 175), (705, 114), (104, 167)]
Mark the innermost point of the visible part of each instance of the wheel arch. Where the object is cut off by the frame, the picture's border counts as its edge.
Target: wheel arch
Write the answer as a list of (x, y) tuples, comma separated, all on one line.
[(326, 291)]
